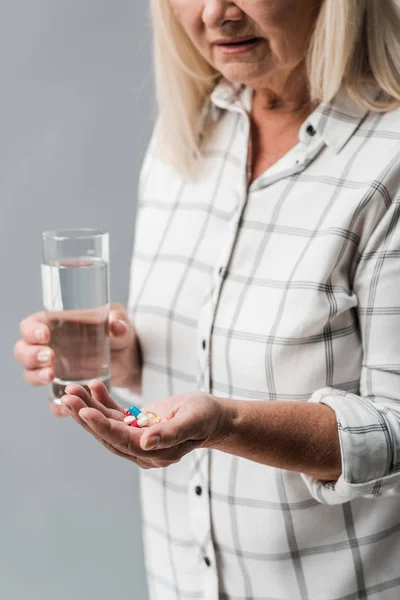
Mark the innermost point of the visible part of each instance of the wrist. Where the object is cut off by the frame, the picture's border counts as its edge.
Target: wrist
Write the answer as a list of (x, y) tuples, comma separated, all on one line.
[(135, 388), (134, 383), (127, 368), (228, 411)]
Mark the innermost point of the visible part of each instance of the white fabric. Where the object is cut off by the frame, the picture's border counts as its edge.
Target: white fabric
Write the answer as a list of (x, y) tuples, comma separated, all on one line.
[(287, 289)]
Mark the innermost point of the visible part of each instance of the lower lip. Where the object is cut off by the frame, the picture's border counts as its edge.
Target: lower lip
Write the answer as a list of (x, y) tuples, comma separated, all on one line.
[(238, 48)]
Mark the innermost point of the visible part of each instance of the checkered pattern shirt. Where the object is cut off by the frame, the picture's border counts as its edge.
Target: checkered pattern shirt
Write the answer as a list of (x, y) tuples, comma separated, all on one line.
[(285, 289)]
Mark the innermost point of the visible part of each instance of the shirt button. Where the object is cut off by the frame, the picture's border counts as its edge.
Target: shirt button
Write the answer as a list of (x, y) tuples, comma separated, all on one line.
[(203, 343), (198, 490), (207, 561), (311, 131)]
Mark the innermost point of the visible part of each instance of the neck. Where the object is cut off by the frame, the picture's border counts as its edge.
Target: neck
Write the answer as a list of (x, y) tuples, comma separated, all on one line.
[(284, 92)]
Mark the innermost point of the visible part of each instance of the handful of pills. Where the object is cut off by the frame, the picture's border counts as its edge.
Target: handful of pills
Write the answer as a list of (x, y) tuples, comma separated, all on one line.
[(134, 417)]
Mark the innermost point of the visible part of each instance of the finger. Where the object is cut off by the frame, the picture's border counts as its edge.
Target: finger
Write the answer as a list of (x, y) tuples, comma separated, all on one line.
[(120, 328), (93, 401), (137, 461), (116, 433), (77, 397), (38, 377), (109, 447), (34, 329), (101, 394), (125, 440), (183, 427), (33, 357), (75, 404), (75, 389), (142, 464)]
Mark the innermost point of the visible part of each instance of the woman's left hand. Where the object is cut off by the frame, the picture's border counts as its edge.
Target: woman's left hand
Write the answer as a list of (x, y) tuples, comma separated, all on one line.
[(188, 421)]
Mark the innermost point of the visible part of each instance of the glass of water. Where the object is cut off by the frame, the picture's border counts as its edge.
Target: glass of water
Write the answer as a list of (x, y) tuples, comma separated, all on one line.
[(76, 299)]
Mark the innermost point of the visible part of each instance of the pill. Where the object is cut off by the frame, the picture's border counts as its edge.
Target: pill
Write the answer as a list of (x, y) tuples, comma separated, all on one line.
[(143, 420), (154, 418), (129, 419), (133, 410), (134, 423)]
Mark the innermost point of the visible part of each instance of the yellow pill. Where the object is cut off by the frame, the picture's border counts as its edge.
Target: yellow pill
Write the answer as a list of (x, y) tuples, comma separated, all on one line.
[(154, 418)]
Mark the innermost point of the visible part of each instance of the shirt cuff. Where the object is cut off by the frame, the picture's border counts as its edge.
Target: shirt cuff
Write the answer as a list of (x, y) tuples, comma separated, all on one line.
[(366, 443)]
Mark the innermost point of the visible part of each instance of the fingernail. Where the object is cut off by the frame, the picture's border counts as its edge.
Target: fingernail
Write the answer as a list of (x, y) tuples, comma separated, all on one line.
[(83, 417), (152, 443), (44, 356), (40, 334), (44, 374), (120, 327)]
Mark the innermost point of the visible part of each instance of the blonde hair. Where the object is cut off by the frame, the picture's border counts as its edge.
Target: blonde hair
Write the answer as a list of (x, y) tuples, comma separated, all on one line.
[(355, 43)]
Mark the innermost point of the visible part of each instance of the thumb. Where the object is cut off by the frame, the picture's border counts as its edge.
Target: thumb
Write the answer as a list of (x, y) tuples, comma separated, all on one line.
[(120, 330), (167, 434)]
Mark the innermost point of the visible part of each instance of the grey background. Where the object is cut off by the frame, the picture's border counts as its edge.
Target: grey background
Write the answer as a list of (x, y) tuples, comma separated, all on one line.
[(76, 112)]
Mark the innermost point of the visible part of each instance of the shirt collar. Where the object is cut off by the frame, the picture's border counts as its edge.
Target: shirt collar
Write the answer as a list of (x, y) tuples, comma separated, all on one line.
[(231, 96), (334, 122)]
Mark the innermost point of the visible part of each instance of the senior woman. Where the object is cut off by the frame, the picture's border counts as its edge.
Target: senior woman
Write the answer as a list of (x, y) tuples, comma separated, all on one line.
[(265, 303)]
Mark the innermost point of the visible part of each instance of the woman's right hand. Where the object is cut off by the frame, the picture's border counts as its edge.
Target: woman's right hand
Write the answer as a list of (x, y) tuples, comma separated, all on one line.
[(33, 352)]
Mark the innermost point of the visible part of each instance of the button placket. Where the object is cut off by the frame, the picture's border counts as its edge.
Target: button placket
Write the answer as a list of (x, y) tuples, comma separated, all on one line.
[(211, 591), (199, 496)]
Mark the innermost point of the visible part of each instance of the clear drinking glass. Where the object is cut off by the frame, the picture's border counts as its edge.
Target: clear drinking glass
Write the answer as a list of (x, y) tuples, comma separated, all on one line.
[(76, 299)]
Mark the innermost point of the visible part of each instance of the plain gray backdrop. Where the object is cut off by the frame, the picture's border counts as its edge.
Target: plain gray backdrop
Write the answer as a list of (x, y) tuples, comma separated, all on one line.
[(76, 112)]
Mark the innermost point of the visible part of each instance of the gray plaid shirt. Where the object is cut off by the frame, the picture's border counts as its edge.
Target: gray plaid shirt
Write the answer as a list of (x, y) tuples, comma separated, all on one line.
[(287, 289)]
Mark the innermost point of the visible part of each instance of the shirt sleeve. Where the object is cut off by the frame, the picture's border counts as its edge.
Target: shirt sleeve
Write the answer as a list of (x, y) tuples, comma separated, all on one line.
[(369, 423)]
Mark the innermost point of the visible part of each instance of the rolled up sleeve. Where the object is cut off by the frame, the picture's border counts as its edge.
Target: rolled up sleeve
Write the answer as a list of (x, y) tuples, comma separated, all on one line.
[(369, 423)]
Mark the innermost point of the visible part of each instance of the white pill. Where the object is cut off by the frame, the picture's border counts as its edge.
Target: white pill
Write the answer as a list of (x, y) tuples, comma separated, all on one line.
[(143, 421), (130, 419)]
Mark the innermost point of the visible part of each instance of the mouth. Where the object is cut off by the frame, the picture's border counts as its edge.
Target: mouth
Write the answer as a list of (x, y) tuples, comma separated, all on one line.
[(238, 45)]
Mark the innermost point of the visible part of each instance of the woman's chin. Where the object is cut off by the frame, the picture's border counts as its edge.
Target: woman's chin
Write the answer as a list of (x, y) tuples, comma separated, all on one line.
[(247, 74)]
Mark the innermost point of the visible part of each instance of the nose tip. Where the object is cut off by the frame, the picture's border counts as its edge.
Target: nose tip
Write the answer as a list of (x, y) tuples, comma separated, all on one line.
[(218, 12)]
